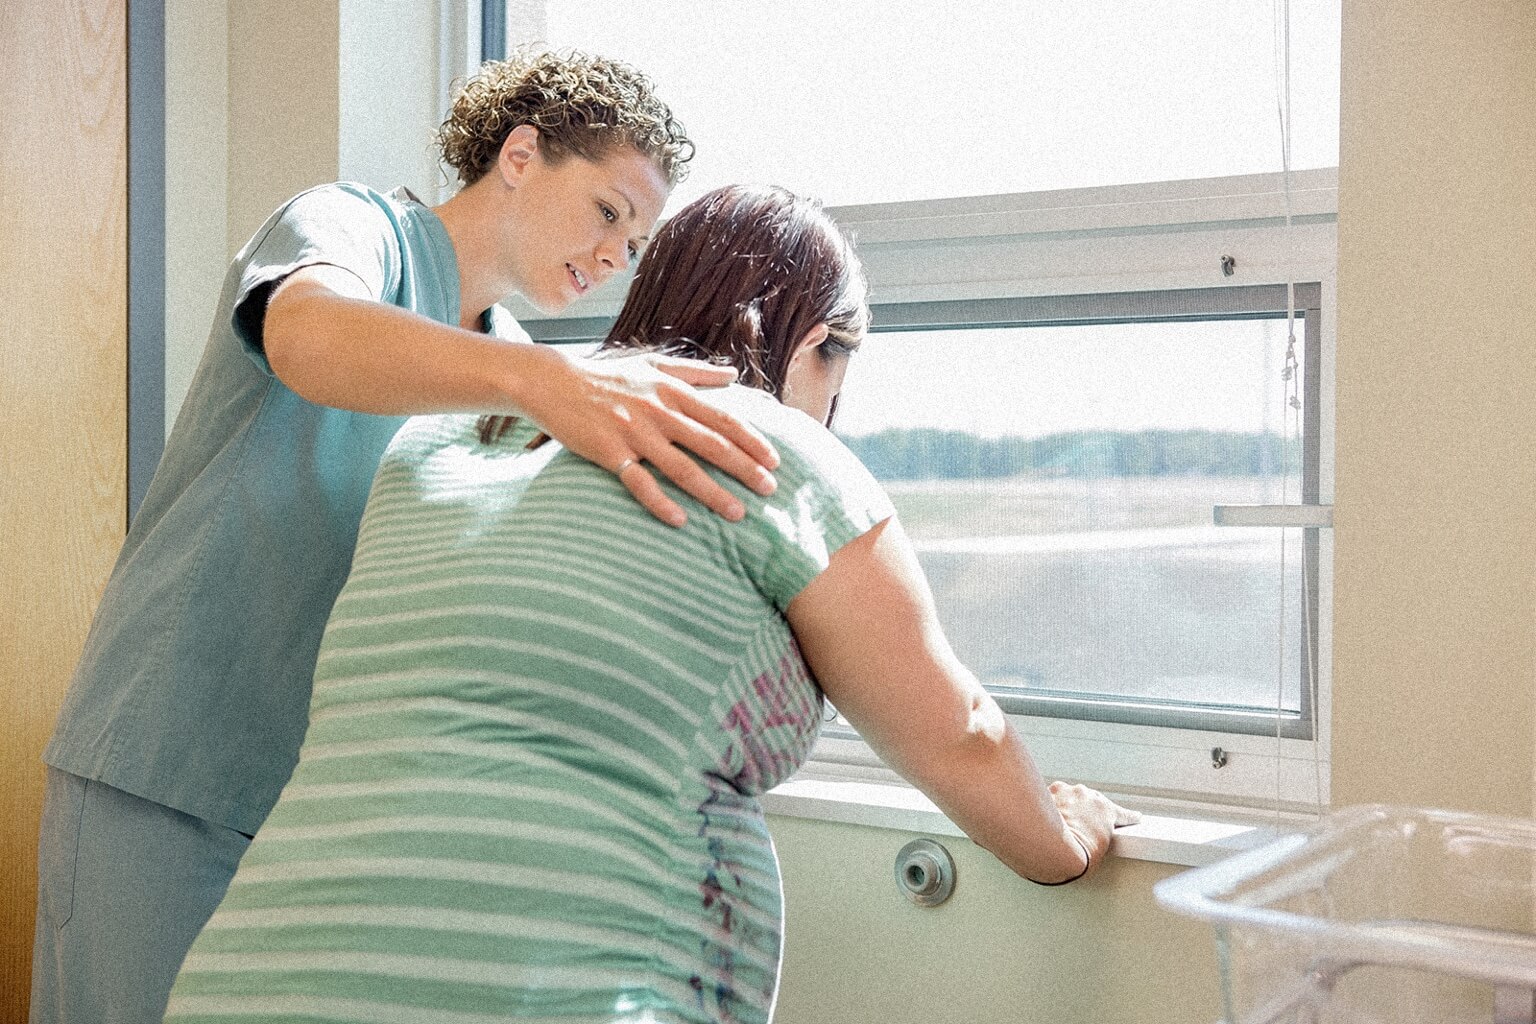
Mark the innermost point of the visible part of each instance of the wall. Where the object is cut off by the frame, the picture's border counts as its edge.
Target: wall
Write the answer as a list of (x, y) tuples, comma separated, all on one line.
[(284, 88), (196, 184), (328, 90), (1435, 533), (389, 96), (999, 950), (268, 98)]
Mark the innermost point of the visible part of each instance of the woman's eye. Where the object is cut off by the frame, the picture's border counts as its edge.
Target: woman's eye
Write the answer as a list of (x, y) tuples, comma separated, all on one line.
[(608, 214), (634, 252)]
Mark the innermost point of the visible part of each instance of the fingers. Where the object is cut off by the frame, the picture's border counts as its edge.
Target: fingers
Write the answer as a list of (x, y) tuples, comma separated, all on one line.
[(671, 462), (1089, 819), (648, 493), (686, 474), (1069, 796), (719, 439), (699, 485), (694, 371), (1091, 816), (743, 450), (723, 441), (643, 409)]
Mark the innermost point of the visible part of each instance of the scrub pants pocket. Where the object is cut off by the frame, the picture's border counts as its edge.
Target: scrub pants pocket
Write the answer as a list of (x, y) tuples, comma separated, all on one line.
[(58, 848), (124, 886)]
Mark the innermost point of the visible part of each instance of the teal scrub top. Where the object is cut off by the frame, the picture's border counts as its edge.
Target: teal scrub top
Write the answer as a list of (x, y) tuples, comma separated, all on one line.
[(194, 685)]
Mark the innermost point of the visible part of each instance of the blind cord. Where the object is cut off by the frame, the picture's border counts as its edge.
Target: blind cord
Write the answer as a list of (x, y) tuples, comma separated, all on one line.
[(1291, 378)]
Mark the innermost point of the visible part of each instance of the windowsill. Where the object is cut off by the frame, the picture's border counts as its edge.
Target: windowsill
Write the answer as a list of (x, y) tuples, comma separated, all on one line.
[(1190, 838)]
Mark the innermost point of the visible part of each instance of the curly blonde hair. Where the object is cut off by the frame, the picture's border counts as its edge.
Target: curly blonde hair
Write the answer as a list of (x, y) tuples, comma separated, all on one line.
[(580, 103)]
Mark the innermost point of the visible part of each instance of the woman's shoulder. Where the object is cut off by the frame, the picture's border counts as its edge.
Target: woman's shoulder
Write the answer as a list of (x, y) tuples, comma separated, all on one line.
[(421, 436), (775, 420), (824, 499), (810, 456), (337, 209)]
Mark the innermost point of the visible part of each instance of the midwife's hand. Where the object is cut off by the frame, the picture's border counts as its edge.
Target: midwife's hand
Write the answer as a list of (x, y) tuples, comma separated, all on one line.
[(622, 412), (1090, 817)]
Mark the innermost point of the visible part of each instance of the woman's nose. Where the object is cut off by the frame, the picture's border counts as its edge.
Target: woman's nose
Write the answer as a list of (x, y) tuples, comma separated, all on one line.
[(615, 256)]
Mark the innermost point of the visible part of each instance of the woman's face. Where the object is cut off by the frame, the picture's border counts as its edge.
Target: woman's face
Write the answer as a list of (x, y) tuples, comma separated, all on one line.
[(579, 222), (814, 377)]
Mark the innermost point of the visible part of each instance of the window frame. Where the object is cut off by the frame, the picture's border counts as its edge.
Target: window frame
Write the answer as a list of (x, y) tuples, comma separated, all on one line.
[(1082, 255)]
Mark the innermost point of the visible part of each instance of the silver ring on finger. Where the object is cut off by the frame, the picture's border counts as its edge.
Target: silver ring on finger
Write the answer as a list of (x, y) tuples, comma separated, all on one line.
[(619, 470)]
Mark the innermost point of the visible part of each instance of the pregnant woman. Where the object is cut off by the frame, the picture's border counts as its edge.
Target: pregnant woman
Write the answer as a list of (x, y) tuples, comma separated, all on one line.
[(542, 719)]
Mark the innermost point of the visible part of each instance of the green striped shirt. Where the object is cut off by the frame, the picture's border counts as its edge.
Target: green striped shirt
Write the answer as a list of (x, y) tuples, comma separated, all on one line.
[(541, 722)]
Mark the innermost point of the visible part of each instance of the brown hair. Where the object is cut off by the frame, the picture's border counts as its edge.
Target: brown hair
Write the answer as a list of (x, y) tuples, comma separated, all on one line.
[(738, 277), (579, 103)]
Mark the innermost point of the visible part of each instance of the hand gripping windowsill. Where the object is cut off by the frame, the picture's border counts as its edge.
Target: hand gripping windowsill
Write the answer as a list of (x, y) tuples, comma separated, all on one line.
[(1168, 833)]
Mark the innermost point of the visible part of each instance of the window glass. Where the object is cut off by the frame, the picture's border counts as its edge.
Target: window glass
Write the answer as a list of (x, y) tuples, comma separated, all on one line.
[(866, 101), (1058, 484)]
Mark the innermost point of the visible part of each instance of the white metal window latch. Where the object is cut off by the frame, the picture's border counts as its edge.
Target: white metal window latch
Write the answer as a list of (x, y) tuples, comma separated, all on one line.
[(1309, 516)]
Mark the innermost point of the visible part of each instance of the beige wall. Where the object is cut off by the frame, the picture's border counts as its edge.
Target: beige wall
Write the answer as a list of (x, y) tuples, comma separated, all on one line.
[(389, 96), (1000, 949), (1435, 603), (321, 90), (284, 111), (1435, 519)]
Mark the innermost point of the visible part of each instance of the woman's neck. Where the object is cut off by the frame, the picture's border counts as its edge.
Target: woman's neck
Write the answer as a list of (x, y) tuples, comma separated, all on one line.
[(471, 217)]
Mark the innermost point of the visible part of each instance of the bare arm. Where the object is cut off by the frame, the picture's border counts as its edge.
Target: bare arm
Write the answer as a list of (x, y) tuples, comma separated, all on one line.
[(868, 631), (329, 341)]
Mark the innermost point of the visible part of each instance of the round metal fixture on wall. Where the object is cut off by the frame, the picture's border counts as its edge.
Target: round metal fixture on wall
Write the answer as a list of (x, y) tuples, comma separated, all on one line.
[(925, 872)]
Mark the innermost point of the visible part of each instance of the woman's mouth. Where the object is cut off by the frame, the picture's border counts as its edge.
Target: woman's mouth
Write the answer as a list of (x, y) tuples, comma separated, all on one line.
[(579, 278)]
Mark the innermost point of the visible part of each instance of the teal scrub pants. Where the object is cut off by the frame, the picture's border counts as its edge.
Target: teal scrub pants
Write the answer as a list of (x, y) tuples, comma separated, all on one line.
[(124, 886)]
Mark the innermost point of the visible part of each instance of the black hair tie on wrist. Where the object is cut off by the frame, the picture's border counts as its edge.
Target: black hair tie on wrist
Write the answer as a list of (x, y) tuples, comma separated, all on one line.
[(1087, 863)]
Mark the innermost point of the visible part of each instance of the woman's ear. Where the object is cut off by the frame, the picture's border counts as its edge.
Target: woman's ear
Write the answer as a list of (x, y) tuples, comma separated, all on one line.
[(517, 152), (813, 337)]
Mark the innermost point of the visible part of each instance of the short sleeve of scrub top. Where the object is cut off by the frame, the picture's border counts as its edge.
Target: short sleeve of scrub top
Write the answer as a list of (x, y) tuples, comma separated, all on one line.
[(330, 226)]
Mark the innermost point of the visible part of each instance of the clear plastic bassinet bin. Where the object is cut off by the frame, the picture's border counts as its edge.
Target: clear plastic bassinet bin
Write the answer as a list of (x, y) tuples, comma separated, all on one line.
[(1385, 915)]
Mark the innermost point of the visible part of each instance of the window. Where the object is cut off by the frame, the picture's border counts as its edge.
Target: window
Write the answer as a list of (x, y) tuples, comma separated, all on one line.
[(1083, 575), (1075, 392), (1057, 461)]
